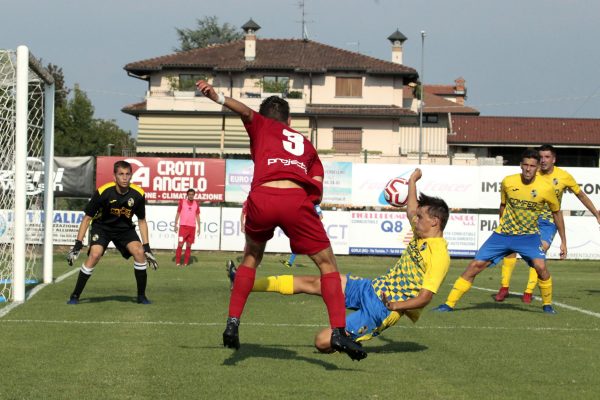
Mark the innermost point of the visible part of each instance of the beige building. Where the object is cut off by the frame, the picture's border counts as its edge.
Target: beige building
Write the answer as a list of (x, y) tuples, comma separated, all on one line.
[(352, 107)]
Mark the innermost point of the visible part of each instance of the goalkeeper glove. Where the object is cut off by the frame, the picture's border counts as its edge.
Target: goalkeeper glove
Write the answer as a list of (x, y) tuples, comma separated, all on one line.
[(74, 253), (150, 259)]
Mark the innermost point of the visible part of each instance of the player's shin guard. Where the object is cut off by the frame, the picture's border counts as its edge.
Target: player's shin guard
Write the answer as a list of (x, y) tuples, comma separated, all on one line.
[(508, 266), (461, 286), (532, 281), (283, 284), (331, 291), (141, 277), (242, 286), (546, 290), (82, 278)]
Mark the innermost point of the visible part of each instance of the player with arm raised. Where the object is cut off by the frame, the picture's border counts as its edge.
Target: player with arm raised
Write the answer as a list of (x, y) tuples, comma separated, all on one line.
[(110, 212), (405, 289), (523, 198), (560, 180), (287, 183)]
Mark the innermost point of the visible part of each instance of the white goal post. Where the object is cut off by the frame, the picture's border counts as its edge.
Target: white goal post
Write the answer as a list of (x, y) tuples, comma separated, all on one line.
[(26, 173)]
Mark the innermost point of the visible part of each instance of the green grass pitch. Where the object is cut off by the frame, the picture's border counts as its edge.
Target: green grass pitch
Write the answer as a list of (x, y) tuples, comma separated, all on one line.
[(109, 347)]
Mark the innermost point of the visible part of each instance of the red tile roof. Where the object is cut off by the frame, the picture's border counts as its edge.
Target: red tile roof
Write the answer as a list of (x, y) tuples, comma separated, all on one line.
[(435, 103), (524, 130), (272, 54)]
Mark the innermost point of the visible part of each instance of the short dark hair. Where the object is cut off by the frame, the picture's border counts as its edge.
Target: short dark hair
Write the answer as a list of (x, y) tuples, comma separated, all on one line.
[(191, 190), (531, 153), (437, 208), (121, 164), (547, 147), (276, 108)]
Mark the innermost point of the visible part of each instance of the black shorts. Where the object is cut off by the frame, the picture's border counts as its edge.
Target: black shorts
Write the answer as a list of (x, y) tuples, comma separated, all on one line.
[(103, 236)]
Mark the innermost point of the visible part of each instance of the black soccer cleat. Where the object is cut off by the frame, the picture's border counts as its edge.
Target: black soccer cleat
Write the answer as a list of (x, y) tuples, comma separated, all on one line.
[(73, 299), (143, 300), (342, 342), (231, 270), (231, 337)]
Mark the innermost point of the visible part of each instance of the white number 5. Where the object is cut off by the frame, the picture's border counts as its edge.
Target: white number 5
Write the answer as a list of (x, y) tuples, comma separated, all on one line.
[(294, 143)]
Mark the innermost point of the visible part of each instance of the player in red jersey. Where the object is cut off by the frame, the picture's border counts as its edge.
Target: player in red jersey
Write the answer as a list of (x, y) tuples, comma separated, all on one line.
[(287, 183), (187, 219)]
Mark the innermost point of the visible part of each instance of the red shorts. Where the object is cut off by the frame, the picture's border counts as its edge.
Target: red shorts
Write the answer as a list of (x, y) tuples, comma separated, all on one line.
[(186, 234), (292, 211)]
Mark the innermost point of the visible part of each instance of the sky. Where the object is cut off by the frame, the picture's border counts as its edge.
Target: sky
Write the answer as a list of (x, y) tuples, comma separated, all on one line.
[(536, 58)]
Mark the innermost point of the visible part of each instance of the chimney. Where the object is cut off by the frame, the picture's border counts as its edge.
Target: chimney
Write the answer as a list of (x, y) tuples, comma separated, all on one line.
[(397, 39), (460, 90), (250, 28)]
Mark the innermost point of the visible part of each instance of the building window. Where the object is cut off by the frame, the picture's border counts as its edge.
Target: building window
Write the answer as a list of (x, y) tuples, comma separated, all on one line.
[(187, 82), (348, 87), (275, 84), (430, 118), (347, 140)]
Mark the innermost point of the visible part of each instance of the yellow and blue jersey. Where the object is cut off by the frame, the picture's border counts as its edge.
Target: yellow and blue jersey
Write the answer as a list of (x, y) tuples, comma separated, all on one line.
[(524, 203), (423, 265), (560, 180)]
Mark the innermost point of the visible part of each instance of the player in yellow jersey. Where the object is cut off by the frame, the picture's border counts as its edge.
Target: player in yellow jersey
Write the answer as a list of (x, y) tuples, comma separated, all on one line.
[(523, 198), (405, 289), (560, 181)]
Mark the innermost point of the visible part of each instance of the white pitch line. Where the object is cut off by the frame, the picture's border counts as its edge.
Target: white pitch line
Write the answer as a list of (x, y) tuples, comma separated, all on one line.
[(33, 292), (275, 325), (562, 305)]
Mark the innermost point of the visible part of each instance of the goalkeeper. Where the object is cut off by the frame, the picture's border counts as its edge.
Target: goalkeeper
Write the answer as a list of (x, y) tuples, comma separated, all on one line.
[(405, 289), (109, 212)]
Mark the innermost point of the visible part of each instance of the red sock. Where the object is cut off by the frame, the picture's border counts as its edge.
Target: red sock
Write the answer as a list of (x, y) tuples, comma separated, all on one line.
[(177, 255), (242, 286), (331, 291), (188, 252)]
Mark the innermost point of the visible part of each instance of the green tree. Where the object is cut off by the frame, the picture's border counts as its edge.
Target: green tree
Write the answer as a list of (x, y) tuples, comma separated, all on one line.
[(78, 133), (61, 92), (207, 32)]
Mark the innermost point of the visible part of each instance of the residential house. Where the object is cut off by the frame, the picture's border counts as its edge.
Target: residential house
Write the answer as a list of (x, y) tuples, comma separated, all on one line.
[(353, 107)]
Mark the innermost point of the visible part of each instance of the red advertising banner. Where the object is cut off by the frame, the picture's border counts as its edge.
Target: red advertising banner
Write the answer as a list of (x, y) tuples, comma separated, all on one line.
[(167, 179)]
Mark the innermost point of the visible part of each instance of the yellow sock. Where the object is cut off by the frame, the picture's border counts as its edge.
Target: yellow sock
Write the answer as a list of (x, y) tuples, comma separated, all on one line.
[(546, 289), (532, 281), (283, 284), (461, 286), (508, 266)]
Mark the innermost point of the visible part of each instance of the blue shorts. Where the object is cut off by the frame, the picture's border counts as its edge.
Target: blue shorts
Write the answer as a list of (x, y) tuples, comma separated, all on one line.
[(547, 230), (368, 319), (500, 245)]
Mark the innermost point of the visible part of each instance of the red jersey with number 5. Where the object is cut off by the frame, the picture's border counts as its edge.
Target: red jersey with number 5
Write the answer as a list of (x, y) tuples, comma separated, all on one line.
[(279, 152)]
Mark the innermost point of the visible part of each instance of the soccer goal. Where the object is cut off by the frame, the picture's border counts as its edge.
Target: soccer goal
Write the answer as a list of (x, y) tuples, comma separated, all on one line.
[(26, 164)]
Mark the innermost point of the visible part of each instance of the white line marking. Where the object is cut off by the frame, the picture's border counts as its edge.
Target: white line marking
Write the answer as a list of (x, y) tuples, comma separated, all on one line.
[(568, 307), (4, 311), (262, 324)]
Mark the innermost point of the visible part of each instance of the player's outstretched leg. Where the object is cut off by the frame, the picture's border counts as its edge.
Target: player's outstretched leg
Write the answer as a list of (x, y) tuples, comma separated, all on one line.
[(342, 342), (231, 336)]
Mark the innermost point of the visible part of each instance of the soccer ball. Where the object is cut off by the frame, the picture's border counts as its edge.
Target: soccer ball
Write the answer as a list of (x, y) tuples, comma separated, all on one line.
[(396, 192)]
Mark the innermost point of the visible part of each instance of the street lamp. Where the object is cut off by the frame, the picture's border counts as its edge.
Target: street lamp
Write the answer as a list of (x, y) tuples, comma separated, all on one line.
[(109, 148), (421, 100)]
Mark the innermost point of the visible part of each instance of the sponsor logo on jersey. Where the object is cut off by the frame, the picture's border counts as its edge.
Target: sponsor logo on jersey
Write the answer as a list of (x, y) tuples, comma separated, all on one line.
[(287, 162)]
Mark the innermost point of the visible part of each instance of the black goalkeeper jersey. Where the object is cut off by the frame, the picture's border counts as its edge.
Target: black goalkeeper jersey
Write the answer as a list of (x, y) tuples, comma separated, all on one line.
[(114, 211)]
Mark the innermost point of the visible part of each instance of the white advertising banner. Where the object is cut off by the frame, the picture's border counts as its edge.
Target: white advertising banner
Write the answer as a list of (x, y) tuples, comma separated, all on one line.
[(583, 239), (161, 228), (458, 186)]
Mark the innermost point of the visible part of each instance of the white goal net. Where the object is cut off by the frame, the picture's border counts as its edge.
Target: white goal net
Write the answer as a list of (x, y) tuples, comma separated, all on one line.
[(26, 120)]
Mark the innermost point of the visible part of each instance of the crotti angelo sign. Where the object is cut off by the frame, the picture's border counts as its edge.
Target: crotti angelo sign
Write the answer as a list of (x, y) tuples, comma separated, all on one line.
[(167, 179)]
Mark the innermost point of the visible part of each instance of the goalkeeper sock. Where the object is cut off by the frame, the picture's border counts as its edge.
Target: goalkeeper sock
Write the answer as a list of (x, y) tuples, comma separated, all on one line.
[(508, 266), (331, 291), (188, 252), (141, 277), (283, 284), (84, 275), (532, 281), (242, 285), (461, 286), (546, 290)]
